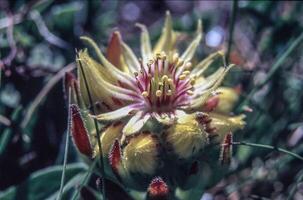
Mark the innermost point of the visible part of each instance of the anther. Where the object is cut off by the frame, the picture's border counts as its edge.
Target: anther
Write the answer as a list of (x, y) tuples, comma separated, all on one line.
[(158, 93), (186, 72), (189, 92), (145, 94), (188, 66), (182, 77)]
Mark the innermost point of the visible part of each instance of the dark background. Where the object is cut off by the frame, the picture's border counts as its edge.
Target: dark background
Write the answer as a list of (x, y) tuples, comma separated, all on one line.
[(44, 36)]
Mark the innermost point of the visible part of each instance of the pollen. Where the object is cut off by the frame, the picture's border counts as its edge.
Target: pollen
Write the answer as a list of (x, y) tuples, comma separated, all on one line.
[(144, 94), (165, 82)]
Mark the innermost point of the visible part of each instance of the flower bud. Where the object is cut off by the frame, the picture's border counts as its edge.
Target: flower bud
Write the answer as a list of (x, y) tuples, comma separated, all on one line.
[(79, 132), (211, 103), (188, 135), (157, 190), (226, 149), (140, 155), (115, 158), (227, 99), (108, 136)]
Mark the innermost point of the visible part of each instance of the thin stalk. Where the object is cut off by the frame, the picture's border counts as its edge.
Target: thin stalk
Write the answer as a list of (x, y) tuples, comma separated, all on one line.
[(97, 129), (66, 148), (270, 147), (231, 28)]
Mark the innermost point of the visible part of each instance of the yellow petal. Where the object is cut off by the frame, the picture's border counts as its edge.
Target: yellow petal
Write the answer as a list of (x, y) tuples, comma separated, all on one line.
[(108, 137), (227, 99), (204, 92), (186, 136), (130, 58), (110, 69), (140, 154), (135, 124), (146, 51), (204, 64), (191, 49), (225, 124), (165, 41), (113, 51)]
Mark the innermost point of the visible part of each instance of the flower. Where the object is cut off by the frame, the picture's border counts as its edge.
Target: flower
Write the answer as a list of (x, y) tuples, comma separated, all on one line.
[(158, 85), (161, 116)]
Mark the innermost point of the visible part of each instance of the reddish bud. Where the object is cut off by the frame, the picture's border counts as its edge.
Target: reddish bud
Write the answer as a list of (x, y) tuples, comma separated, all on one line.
[(69, 80), (115, 157), (79, 131), (226, 149), (114, 49), (157, 190), (211, 104)]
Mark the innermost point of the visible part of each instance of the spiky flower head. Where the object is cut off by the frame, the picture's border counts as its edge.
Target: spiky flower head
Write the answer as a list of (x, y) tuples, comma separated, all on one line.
[(154, 106)]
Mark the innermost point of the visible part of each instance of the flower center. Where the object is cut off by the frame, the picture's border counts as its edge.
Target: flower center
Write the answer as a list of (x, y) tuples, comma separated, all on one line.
[(165, 84)]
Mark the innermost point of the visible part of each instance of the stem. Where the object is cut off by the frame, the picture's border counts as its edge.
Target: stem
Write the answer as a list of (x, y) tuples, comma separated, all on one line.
[(231, 28), (66, 148), (97, 129), (270, 147)]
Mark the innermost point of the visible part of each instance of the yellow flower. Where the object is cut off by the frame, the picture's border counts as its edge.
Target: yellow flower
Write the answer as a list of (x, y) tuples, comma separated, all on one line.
[(158, 85)]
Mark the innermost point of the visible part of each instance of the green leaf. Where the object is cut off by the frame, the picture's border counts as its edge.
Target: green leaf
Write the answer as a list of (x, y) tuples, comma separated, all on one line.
[(44, 183), (7, 136)]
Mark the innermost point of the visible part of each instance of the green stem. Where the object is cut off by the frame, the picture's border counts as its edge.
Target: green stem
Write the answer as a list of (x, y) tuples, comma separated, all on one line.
[(231, 29), (66, 149), (97, 129), (270, 147)]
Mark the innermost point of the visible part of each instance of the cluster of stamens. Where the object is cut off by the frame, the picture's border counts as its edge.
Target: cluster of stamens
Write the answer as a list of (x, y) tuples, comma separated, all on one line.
[(165, 83)]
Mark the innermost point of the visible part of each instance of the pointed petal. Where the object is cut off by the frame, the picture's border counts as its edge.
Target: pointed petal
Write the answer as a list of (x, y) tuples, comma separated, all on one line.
[(113, 52), (111, 69), (165, 41), (130, 58), (115, 158), (118, 114), (135, 123), (100, 84), (146, 51), (108, 136), (191, 49), (225, 124), (204, 64), (204, 91)]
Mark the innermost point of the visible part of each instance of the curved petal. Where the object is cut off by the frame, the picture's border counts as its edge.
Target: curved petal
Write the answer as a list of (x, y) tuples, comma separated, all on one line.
[(119, 113), (113, 51), (201, 96), (135, 123), (146, 51), (165, 41), (130, 58), (191, 49), (110, 68), (205, 63)]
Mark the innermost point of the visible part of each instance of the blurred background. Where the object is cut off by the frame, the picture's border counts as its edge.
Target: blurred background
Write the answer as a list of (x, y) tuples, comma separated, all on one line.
[(37, 46)]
